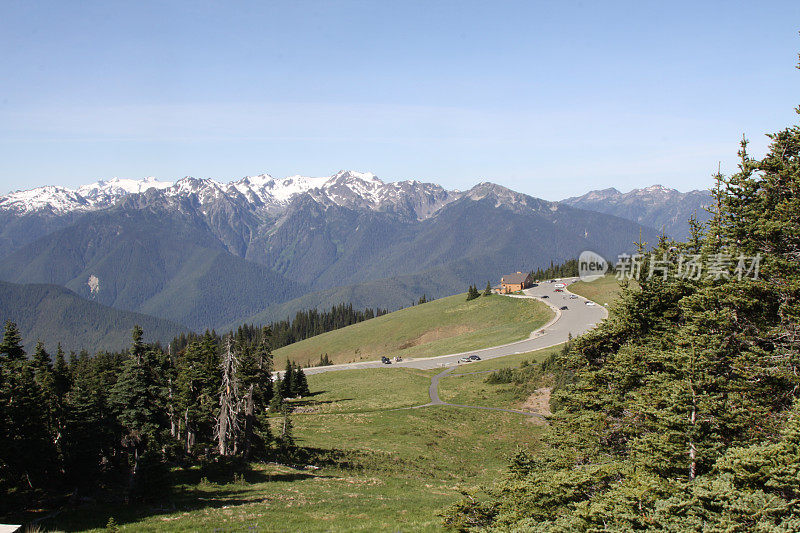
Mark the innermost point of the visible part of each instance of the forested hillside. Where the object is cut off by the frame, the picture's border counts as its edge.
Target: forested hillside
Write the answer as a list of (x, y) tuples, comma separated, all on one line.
[(113, 425), (150, 260), (680, 412), (53, 315)]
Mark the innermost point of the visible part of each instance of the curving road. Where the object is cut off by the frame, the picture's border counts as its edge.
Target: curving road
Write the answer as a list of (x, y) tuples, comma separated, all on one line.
[(433, 392), (575, 320)]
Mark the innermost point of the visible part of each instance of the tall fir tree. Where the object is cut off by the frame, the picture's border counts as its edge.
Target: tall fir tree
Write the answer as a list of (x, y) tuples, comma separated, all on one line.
[(138, 402), (256, 383), (27, 455), (46, 381), (299, 383), (11, 346), (197, 384), (287, 381)]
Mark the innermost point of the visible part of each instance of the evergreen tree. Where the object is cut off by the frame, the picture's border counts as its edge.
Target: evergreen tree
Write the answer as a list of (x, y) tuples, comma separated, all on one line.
[(83, 429), (300, 387), (488, 290), (61, 374), (287, 381), (197, 383), (472, 293), (276, 403), (138, 401), (45, 380), (61, 384), (676, 413), (11, 346), (286, 437), (256, 384), (27, 454)]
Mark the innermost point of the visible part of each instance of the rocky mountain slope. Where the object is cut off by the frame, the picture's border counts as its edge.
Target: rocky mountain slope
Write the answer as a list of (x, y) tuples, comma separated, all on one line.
[(658, 207)]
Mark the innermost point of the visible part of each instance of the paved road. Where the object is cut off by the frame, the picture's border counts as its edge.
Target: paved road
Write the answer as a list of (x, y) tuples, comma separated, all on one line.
[(576, 320)]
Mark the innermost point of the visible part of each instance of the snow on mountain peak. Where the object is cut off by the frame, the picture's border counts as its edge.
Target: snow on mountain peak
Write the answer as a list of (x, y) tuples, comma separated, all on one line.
[(115, 187), (347, 188), (365, 176), (656, 189), (57, 199)]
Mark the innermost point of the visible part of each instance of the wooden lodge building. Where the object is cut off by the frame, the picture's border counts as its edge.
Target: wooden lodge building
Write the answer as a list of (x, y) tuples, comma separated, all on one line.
[(515, 282)]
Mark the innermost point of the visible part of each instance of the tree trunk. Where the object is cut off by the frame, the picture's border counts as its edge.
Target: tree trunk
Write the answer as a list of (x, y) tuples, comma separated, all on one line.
[(249, 409), (692, 448), (227, 422), (173, 420)]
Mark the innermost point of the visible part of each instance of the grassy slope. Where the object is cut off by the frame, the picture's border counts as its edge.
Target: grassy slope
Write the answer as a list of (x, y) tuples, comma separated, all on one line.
[(603, 291), (447, 325), (366, 389), (463, 387)]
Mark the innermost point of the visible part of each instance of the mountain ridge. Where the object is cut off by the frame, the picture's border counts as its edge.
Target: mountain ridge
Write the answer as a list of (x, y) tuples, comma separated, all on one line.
[(662, 208)]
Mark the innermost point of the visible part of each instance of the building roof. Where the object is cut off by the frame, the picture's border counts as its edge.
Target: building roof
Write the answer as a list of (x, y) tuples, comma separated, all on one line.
[(516, 278)]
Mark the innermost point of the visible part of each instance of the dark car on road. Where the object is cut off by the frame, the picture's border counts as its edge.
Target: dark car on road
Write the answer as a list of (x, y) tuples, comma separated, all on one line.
[(564, 307), (474, 357), (385, 360)]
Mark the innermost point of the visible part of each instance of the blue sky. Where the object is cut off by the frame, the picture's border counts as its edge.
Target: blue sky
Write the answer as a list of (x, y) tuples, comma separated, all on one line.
[(549, 98)]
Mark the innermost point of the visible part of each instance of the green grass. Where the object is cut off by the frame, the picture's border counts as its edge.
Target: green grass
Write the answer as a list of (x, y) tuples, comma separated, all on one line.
[(364, 390), (378, 471), (603, 291), (463, 387), (444, 326)]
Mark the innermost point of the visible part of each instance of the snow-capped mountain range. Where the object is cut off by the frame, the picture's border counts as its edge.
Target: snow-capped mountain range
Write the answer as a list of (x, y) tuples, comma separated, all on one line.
[(203, 253), (263, 192), (268, 197)]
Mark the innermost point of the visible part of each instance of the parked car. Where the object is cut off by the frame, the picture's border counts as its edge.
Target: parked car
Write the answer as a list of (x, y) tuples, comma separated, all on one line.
[(590, 303), (474, 357), (465, 360), (544, 296), (573, 297), (564, 308), (397, 358), (385, 360)]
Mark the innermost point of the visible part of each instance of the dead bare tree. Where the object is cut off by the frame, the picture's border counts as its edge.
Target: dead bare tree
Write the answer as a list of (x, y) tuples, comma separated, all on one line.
[(227, 428)]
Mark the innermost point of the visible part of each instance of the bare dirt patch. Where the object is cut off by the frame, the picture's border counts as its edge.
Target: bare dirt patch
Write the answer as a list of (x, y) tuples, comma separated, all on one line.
[(539, 401)]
